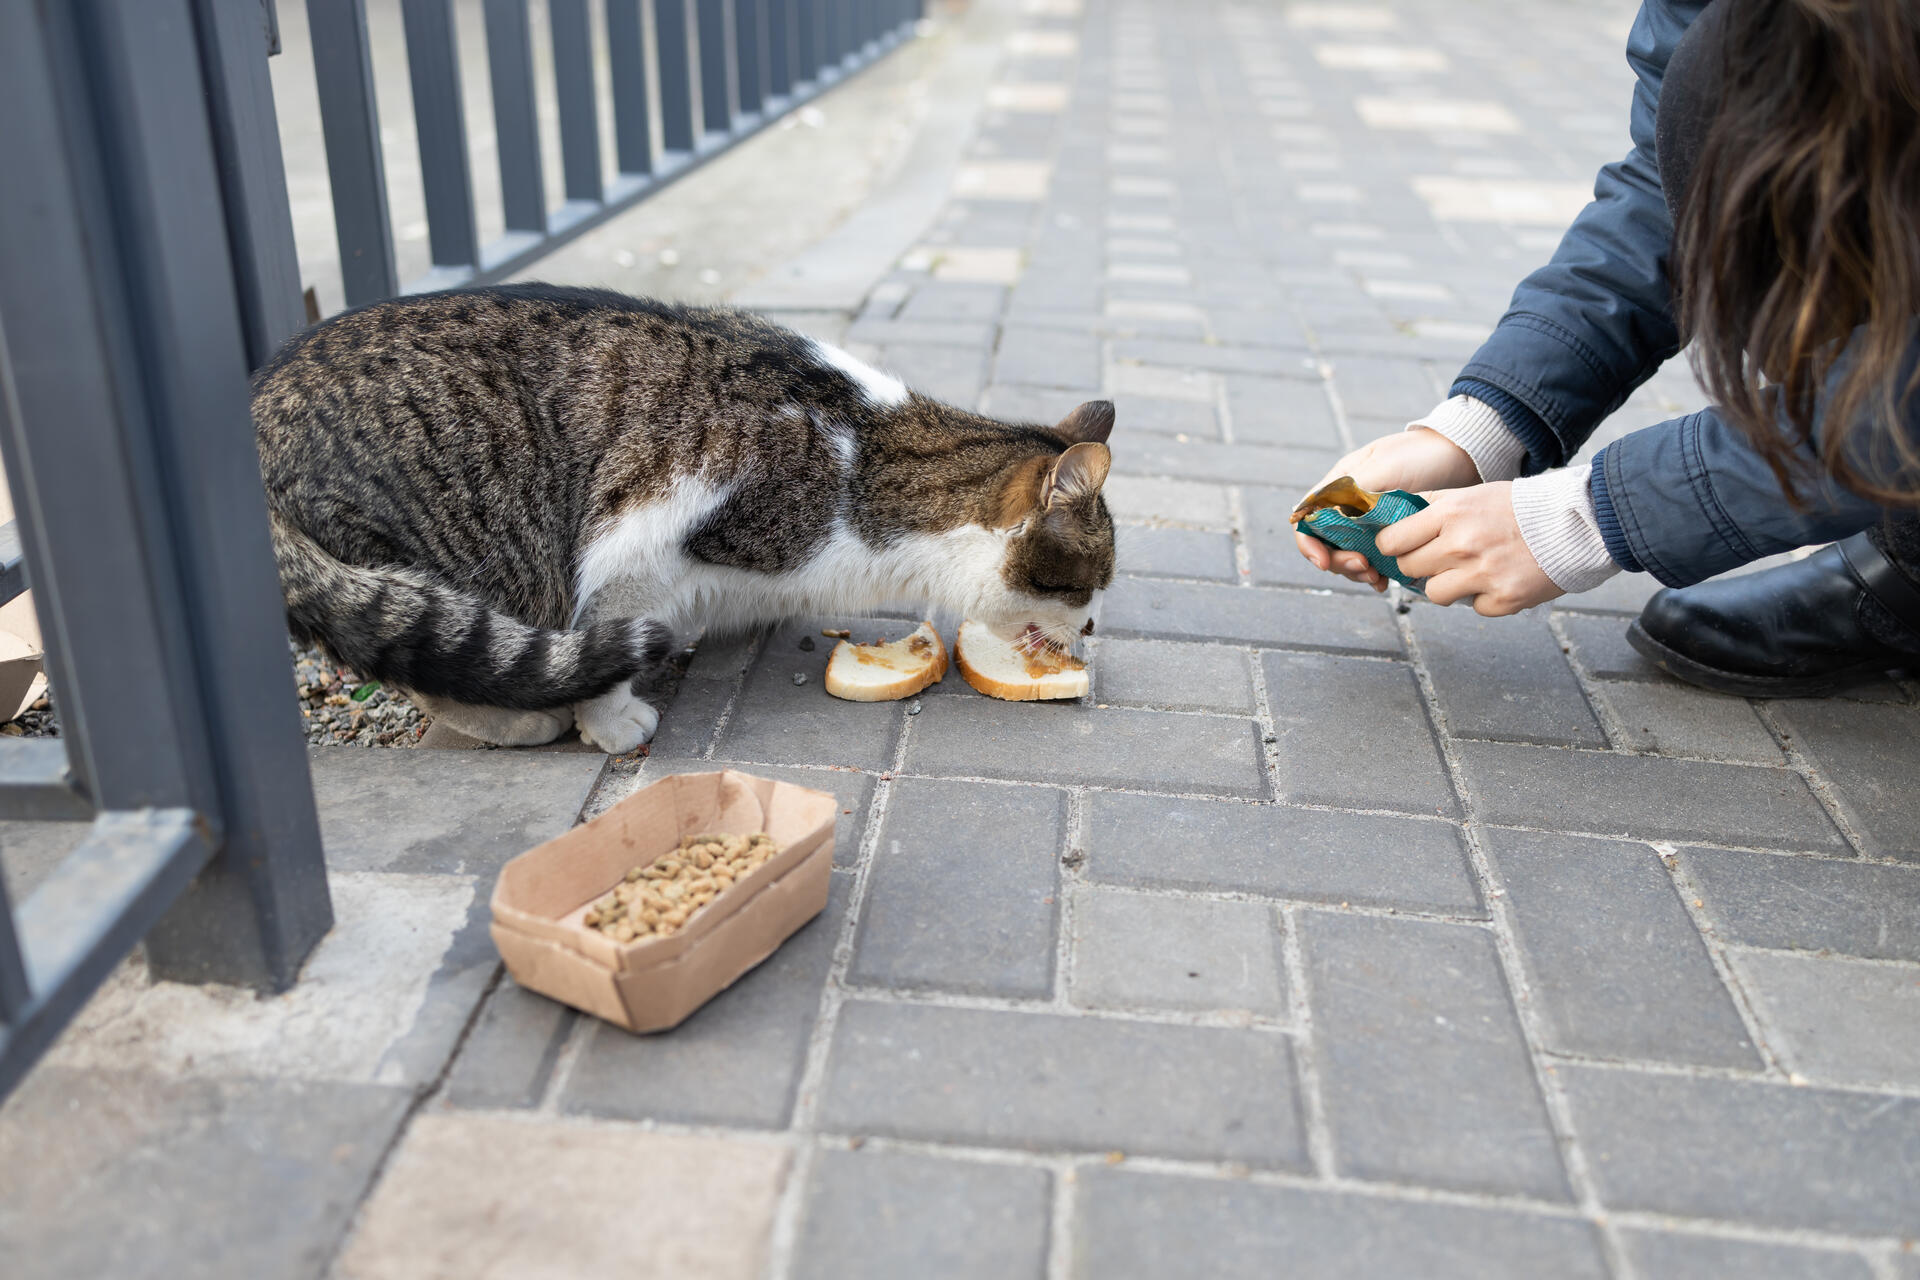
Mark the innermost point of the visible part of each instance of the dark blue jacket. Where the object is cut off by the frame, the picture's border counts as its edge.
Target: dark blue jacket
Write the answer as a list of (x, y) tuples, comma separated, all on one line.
[(1686, 499)]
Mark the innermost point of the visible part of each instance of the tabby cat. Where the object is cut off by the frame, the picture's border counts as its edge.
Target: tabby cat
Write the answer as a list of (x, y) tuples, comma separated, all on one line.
[(505, 500)]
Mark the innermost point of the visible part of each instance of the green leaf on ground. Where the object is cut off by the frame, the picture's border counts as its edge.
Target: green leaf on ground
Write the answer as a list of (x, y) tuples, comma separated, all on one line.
[(365, 691)]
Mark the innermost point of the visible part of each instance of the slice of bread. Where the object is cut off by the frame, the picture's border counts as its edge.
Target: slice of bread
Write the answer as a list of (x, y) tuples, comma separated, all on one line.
[(1016, 667), (883, 672)]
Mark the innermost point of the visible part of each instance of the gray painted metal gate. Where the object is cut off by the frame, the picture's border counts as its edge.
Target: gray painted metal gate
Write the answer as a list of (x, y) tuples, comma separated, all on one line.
[(146, 265)]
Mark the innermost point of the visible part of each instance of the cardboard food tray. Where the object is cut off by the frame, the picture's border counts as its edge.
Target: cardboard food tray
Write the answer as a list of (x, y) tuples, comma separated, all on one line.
[(652, 984)]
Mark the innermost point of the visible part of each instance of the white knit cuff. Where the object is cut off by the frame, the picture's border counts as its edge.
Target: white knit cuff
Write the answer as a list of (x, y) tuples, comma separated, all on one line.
[(1473, 425), (1555, 511)]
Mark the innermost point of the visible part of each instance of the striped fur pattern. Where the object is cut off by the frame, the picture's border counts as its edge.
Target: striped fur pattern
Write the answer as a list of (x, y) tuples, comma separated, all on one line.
[(508, 499)]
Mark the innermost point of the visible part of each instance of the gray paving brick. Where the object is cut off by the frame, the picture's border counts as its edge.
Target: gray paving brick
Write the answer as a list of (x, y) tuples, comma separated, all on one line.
[(1622, 593), (457, 812), (1600, 647), (1253, 464), (1806, 904), (736, 1061), (1646, 797), (1163, 417), (1280, 851), (1144, 1226), (1425, 1076), (724, 655), (1503, 678), (1042, 405), (1072, 743), (1871, 756), (780, 722), (1047, 1082), (1354, 733), (1177, 553), (963, 891), (1748, 1151), (1668, 1255), (1188, 502), (1257, 328), (1617, 967), (508, 1057), (1272, 553), (960, 333), (883, 1215), (949, 373), (954, 300), (1674, 720), (1184, 677), (687, 723), (1147, 609), (1288, 411), (1835, 1020), (1052, 288), (1272, 361), (854, 791), (1043, 357), (1148, 951), (1395, 391), (127, 1174)]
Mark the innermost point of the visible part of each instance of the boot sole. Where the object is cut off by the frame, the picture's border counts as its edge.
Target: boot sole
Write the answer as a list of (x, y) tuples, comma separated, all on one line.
[(1684, 668)]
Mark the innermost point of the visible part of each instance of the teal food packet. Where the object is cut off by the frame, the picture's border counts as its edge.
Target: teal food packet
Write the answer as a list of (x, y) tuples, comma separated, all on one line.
[(1343, 515)]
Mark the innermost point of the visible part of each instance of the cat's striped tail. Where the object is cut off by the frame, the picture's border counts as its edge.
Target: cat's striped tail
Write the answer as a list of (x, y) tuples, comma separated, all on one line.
[(402, 627)]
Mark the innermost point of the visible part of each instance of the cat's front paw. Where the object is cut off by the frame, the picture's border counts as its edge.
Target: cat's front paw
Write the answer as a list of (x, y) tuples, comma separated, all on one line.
[(616, 722)]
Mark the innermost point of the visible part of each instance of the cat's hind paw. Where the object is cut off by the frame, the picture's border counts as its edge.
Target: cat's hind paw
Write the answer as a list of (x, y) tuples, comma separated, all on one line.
[(617, 721)]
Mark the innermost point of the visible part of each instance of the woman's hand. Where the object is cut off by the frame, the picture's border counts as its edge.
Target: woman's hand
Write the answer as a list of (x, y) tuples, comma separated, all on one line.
[(1468, 543), (1417, 460)]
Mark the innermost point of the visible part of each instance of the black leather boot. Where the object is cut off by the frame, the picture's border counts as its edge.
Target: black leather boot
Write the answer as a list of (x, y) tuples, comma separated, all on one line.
[(1796, 630)]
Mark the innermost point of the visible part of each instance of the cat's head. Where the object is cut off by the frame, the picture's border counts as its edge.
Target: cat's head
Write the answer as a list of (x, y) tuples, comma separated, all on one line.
[(1059, 549)]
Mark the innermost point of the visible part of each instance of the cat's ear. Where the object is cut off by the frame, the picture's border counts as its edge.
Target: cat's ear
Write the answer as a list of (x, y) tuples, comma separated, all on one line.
[(1091, 423), (1077, 475)]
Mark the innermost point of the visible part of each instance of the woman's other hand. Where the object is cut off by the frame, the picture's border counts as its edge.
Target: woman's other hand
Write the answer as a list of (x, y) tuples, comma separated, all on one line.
[(1418, 460), (1466, 543)]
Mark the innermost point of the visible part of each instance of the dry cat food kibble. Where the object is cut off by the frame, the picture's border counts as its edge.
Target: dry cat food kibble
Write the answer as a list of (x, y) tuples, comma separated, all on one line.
[(655, 900)]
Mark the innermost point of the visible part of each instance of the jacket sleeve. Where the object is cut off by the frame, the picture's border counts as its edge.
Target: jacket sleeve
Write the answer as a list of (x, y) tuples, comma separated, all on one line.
[(1594, 323)]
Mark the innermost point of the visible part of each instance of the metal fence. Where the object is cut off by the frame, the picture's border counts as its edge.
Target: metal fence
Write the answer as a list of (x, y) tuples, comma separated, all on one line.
[(146, 265)]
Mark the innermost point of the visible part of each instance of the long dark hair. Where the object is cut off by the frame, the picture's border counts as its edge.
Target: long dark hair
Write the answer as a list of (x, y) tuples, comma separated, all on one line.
[(1802, 225)]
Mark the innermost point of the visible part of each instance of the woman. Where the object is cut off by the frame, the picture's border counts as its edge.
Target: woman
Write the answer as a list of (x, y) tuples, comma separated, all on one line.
[(1769, 213)]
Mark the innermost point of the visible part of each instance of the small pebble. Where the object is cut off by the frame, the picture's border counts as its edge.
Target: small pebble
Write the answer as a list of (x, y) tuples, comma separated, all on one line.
[(806, 644), (799, 677), (913, 708)]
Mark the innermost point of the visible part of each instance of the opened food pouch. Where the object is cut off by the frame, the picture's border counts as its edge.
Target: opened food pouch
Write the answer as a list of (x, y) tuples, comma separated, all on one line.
[(1342, 514)]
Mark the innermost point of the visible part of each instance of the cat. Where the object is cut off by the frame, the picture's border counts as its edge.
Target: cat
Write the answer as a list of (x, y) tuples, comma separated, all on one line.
[(505, 500)]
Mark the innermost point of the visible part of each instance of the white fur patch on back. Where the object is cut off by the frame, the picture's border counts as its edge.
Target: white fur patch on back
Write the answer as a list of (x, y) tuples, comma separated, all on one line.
[(643, 550), (883, 391)]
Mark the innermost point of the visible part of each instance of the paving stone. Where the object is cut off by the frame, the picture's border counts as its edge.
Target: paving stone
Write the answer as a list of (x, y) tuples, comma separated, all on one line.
[(1807, 904), (1163, 417), (470, 1193), (854, 791), (1748, 1151), (726, 656), (960, 333), (1177, 553), (1272, 552), (1247, 327), (780, 722), (1354, 733), (1617, 968), (1503, 678), (1297, 470), (1181, 677), (687, 723), (946, 301), (1047, 1082), (1148, 951), (1184, 502), (1674, 720), (1424, 1072), (452, 812), (1048, 358), (1272, 361), (884, 1215), (1668, 1255), (963, 891), (1071, 743), (1141, 1226), (1161, 382), (1871, 756), (1837, 1021), (508, 1057), (1288, 411), (1149, 609), (1645, 797), (1396, 391), (29, 851), (1622, 593), (736, 1061), (1600, 647), (124, 1173), (948, 373), (1280, 851), (1042, 405)]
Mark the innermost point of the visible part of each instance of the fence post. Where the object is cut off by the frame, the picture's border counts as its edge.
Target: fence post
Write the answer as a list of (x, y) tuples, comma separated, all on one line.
[(439, 114), (350, 123), (673, 39), (515, 122), (716, 65)]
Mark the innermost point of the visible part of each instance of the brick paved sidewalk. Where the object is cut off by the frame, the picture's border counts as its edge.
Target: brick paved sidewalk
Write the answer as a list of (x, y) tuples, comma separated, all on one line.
[(1328, 938)]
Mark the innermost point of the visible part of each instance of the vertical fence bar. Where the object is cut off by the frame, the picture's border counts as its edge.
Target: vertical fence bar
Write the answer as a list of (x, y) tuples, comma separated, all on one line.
[(579, 117), (516, 126), (15, 991), (350, 122), (779, 47), (716, 66), (433, 68), (673, 41), (627, 58), (749, 42), (843, 43), (806, 41)]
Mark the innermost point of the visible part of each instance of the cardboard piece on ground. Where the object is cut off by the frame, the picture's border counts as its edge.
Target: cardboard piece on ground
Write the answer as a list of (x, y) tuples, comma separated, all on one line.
[(21, 682), (652, 984)]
